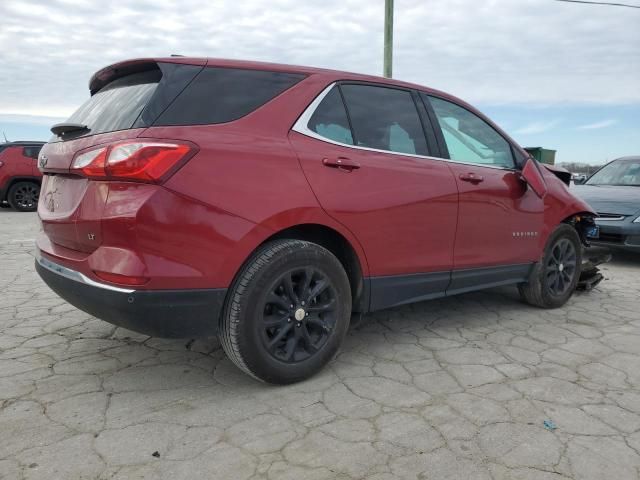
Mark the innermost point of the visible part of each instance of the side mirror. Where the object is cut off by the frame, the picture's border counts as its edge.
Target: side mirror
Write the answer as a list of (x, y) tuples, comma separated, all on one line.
[(533, 176)]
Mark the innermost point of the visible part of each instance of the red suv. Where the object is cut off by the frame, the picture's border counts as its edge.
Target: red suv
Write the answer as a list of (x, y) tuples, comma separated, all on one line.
[(266, 203), (19, 175)]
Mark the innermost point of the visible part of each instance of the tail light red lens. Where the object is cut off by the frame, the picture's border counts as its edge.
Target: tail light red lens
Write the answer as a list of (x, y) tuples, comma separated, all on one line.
[(91, 163), (139, 160)]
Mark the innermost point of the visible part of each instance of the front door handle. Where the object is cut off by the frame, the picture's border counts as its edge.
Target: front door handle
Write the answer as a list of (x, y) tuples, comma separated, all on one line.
[(471, 178), (342, 163)]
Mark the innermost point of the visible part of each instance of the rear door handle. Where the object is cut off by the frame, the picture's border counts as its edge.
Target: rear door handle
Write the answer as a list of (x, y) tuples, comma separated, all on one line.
[(471, 178), (342, 163)]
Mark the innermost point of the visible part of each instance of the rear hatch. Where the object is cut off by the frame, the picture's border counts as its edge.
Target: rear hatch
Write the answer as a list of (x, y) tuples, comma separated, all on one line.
[(125, 99)]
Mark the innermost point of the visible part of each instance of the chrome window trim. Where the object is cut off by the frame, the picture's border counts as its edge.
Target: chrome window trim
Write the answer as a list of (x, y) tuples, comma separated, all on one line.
[(301, 126), (613, 218), (76, 276)]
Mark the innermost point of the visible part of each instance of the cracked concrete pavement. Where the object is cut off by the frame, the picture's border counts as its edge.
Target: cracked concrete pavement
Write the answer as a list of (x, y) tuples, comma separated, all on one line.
[(457, 388)]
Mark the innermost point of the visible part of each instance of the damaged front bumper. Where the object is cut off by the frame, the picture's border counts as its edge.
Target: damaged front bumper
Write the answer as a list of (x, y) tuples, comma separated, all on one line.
[(589, 231), (590, 275)]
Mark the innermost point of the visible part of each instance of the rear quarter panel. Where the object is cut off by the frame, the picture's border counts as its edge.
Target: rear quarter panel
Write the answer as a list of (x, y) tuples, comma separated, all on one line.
[(249, 169)]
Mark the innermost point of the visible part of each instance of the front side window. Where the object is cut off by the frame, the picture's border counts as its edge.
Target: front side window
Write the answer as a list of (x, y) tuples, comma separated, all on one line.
[(330, 119), (384, 118), (470, 139)]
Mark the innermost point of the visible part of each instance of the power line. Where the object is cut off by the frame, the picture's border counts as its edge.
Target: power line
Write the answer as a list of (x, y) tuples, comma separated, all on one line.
[(611, 4)]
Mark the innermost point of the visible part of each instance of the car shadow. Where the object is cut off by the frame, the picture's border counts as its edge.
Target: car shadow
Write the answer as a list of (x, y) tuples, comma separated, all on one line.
[(389, 355), (380, 336), (623, 257)]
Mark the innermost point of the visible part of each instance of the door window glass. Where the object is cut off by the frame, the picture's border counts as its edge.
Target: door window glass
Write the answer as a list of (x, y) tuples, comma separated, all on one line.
[(470, 139), (31, 152), (330, 119), (385, 119)]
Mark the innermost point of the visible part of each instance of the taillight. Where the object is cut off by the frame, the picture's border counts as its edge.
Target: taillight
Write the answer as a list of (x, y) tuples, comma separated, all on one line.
[(92, 163), (139, 160)]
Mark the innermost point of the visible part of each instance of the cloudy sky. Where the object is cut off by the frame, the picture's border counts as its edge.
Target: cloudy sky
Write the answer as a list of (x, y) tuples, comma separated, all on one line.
[(554, 74)]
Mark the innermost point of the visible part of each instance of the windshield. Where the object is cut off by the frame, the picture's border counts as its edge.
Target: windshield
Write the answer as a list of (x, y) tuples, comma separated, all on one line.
[(621, 172)]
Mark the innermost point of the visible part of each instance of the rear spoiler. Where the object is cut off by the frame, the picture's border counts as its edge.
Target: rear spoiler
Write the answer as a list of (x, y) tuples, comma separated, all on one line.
[(108, 74)]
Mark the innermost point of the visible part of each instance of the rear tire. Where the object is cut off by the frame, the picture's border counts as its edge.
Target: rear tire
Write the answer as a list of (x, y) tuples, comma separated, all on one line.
[(555, 277), (23, 196), (287, 312)]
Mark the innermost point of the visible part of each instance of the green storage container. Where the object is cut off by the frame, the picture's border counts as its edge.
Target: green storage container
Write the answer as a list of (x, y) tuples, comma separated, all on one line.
[(543, 155)]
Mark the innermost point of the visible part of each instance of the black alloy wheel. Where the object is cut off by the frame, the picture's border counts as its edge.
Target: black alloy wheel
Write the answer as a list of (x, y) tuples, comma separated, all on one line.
[(561, 267), (554, 278), (299, 314), (23, 196), (286, 312)]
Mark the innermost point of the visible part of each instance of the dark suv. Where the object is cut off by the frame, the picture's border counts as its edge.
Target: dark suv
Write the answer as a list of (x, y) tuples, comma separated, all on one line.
[(266, 203), (19, 175)]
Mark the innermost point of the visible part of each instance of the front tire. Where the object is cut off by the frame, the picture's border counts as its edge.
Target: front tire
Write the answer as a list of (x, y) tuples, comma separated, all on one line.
[(287, 312), (555, 277), (23, 196)]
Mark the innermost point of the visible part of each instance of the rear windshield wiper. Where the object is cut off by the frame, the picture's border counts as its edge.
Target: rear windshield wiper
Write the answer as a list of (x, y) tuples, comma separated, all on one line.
[(63, 128)]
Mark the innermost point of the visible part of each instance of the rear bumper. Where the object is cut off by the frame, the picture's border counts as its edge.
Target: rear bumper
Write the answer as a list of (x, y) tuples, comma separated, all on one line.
[(159, 313)]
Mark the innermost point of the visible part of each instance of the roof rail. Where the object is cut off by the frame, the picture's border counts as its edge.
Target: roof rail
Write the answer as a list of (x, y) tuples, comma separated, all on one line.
[(24, 142)]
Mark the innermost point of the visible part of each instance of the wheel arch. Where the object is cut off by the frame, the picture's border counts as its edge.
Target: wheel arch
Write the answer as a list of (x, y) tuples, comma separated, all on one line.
[(13, 180), (341, 247)]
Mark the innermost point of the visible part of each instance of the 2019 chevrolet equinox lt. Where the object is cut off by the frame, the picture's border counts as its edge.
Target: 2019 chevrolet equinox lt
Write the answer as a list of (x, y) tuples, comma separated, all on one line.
[(266, 203)]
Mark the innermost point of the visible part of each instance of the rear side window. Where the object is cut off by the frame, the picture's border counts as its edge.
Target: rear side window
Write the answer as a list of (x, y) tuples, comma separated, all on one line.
[(219, 95), (330, 119), (118, 104), (385, 119), (31, 152), (470, 139)]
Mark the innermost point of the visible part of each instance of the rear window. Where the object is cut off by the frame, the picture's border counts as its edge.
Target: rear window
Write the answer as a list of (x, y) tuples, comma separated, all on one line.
[(219, 95), (118, 104)]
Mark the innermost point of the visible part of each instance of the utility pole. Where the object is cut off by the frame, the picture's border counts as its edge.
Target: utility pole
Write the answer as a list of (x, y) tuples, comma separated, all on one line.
[(388, 38)]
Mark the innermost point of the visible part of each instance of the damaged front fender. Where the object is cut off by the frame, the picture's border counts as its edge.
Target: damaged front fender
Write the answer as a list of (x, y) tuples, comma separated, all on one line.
[(561, 206), (587, 229)]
